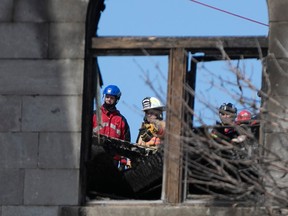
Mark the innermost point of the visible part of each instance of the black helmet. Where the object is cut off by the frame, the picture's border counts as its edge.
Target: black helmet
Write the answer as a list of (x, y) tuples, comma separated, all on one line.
[(228, 108)]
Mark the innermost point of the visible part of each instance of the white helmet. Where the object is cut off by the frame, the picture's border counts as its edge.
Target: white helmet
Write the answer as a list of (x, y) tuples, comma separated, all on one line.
[(152, 103)]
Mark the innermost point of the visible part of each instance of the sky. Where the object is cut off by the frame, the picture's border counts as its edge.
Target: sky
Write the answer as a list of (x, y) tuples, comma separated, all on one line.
[(180, 18)]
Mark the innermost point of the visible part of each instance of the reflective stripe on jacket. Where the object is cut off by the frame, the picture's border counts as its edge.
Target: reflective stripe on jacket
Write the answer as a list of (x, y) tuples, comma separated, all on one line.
[(113, 125)]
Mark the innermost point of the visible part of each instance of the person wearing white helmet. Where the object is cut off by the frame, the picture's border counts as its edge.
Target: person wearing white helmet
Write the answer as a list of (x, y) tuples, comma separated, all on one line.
[(152, 130)]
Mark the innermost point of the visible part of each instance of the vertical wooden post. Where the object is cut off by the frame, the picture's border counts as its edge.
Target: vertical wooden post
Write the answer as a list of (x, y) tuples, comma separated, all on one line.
[(174, 123)]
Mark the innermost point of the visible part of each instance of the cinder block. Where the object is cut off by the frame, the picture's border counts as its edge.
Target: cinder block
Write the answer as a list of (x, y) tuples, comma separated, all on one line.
[(59, 150), (11, 186), (23, 40), (278, 76), (276, 144), (67, 10), (275, 8), (6, 11), (51, 10), (51, 187), (41, 77), (30, 211), (275, 120), (31, 11), (67, 40), (10, 112), (278, 44), (18, 150), (52, 113)]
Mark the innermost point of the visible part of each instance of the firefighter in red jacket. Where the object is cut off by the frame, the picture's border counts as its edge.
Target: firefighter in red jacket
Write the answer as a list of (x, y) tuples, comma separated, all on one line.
[(113, 123)]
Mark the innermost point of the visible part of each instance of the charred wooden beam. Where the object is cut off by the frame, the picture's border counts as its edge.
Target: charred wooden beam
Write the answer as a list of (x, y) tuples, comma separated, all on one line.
[(121, 147), (211, 47)]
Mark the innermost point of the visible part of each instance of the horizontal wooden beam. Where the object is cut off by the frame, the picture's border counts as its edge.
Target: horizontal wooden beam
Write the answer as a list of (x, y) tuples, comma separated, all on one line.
[(248, 46)]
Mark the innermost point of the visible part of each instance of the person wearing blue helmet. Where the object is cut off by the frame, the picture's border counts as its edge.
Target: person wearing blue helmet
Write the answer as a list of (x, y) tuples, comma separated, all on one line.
[(113, 124)]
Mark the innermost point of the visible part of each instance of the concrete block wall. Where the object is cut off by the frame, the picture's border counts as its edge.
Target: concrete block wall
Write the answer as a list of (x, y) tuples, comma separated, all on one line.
[(276, 128), (41, 79)]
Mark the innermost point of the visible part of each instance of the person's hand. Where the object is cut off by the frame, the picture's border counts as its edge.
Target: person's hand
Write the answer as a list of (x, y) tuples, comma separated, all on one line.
[(239, 139)]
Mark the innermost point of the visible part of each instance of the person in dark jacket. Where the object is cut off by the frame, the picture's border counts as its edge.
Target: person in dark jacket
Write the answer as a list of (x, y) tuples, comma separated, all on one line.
[(225, 129)]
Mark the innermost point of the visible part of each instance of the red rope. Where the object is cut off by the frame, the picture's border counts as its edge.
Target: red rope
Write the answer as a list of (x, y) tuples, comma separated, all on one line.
[(242, 17)]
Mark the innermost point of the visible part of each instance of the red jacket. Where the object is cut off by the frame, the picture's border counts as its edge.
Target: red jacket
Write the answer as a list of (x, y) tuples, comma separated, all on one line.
[(113, 124)]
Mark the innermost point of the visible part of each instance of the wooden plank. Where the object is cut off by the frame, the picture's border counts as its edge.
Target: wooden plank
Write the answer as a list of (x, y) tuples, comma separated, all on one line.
[(174, 123), (248, 47), (177, 42)]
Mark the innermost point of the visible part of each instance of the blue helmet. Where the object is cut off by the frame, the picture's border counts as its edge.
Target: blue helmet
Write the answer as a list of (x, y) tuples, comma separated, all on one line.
[(112, 90)]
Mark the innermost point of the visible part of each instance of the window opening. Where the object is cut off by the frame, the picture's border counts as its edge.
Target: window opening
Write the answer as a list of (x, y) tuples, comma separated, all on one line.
[(177, 64), (136, 78), (209, 170)]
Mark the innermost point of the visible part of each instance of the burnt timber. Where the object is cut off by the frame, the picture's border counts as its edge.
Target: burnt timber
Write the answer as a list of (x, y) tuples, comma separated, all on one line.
[(143, 180), (211, 47)]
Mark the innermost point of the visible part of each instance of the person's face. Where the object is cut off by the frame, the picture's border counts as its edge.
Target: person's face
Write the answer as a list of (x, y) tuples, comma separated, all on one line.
[(151, 115), (110, 99), (227, 118)]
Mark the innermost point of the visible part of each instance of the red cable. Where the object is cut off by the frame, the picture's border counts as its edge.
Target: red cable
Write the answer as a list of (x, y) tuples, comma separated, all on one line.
[(230, 13)]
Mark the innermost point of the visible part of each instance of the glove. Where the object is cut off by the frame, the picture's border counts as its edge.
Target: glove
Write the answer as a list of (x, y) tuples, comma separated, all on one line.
[(147, 136), (147, 131), (151, 127)]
